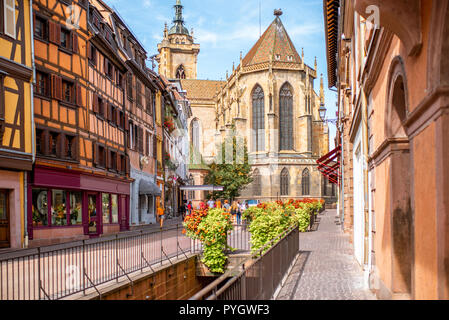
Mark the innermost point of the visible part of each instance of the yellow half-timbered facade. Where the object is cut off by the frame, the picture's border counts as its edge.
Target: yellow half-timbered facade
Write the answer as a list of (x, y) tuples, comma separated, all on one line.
[(16, 125)]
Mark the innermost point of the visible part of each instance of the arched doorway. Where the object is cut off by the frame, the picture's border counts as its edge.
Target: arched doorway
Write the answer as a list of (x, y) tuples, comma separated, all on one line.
[(399, 204)]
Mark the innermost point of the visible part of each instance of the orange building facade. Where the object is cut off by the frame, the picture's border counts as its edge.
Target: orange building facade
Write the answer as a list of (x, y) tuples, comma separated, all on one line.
[(388, 60), (80, 186)]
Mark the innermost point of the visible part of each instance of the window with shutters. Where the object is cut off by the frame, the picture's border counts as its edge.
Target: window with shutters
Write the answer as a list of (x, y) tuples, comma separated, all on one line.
[(129, 86), (109, 69), (41, 28), (9, 19), (139, 93), (122, 163), (101, 107), (148, 101), (42, 86), (305, 182), (258, 119), (101, 158), (70, 147), (286, 118), (285, 182), (92, 54), (68, 91), (66, 39), (40, 142), (113, 161), (54, 150)]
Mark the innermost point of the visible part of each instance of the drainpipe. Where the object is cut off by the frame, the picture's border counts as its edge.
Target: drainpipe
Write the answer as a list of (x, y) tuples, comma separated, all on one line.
[(365, 173), (33, 146)]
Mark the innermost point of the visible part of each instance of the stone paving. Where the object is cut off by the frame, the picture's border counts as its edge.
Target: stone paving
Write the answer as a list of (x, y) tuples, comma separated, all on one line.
[(326, 268)]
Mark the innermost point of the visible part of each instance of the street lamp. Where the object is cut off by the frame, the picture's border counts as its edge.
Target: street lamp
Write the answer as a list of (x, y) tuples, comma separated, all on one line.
[(322, 112)]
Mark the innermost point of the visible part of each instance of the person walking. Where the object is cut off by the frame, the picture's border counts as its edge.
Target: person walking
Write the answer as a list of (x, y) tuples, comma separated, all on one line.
[(226, 206), (182, 210), (234, 211), (189, 208), (242, 208), (211, 203), (161, 214)]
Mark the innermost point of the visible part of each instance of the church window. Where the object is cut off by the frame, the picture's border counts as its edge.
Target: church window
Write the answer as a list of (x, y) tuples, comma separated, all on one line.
[(258, 119), (257, 185), (180, 73), (285, 182), (286, 118), (305, 182)]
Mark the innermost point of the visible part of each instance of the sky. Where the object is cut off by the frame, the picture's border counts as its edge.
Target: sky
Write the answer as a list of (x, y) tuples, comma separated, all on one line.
[(223, 28)]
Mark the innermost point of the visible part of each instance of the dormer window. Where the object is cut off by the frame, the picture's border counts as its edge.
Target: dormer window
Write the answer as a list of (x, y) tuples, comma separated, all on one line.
[(289, 58), (278, 57)]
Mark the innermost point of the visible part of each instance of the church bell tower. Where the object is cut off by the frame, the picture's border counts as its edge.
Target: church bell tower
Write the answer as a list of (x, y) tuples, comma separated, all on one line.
[(178, 54)]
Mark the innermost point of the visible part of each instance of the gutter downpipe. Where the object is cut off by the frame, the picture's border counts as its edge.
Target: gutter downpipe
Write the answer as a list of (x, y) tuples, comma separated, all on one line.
[(365, 175), (33, 146)]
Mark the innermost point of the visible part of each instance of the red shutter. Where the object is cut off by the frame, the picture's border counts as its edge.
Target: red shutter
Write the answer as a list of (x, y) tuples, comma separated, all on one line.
[(126, 122), (75, 47), (119, 163), (79, 98), (55, 32), (56, 83), (95, 153), (95, 103), (127, 165), (117, 117), (108, 158)]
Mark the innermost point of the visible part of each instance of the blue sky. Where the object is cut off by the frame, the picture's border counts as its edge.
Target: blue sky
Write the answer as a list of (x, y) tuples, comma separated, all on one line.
[(223, 28)]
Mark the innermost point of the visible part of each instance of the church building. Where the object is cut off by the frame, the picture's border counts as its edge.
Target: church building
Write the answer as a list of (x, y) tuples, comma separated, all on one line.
[(269, 100)]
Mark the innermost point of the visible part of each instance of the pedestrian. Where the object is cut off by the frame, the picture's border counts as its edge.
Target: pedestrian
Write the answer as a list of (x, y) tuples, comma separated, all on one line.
[(242, 208), (218, 204), (226, 206), (190, 207), (182, 209), (211, 203), (234, 210), (161, 214)]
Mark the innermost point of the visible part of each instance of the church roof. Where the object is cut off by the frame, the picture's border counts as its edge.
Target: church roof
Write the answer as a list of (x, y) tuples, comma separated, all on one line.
[(201, 89), (275, 40)]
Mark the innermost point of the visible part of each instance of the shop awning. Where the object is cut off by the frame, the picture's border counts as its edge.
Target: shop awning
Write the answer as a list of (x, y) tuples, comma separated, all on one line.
[(202, 188), (149, 187), (329, 165)]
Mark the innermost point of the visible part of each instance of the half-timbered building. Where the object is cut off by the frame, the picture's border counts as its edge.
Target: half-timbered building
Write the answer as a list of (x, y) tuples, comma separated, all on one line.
[(141, 101), (79, 187), (16, 126)]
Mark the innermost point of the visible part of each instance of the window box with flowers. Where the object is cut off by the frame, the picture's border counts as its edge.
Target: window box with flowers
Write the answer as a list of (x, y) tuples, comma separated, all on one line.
[(169, 124)]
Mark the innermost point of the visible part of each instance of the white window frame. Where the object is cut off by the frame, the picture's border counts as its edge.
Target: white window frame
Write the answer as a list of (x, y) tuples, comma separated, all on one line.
[(7, 8)]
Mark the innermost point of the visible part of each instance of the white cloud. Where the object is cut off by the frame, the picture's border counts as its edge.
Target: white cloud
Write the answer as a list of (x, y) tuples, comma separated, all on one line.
[(146, 3)]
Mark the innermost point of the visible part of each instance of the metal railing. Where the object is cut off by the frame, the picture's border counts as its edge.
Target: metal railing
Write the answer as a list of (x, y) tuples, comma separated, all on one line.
[(59, 271), (260, 275)]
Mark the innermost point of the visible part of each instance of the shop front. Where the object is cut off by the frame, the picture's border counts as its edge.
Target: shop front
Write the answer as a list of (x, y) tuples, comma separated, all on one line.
[(64, 205)]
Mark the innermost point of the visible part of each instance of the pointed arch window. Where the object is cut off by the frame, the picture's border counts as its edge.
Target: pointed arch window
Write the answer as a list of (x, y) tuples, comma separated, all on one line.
[(285, 182), (257, 183), (258, 119), (180, 72), (286, 118), (305, 182)]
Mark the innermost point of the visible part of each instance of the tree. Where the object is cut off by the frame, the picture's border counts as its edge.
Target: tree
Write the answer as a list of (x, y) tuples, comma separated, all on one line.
[(232, 172)]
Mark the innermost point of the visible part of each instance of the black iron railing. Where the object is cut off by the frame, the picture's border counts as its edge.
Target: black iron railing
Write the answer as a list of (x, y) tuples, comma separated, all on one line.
[(59, 271), (260, 276)]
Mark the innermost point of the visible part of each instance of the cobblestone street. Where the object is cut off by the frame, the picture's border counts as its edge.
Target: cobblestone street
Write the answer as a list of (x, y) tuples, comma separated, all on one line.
[(326, 268)]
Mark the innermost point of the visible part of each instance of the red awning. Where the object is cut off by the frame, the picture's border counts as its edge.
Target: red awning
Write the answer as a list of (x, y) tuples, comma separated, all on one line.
[(329, 165)]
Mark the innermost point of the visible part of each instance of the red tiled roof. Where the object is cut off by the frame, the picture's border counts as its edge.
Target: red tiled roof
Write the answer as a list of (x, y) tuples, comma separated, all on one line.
[(276, 40), (201, 89)]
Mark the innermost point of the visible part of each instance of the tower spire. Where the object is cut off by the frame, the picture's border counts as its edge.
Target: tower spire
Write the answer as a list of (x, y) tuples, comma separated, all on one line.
[(178, 21)]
